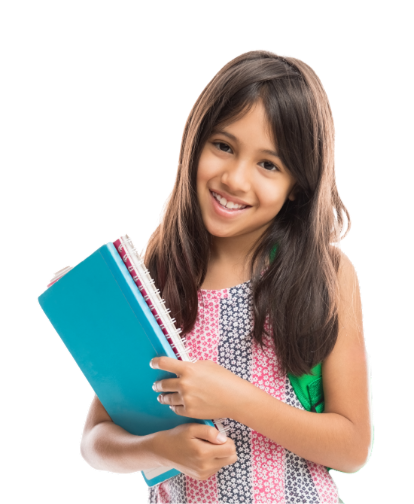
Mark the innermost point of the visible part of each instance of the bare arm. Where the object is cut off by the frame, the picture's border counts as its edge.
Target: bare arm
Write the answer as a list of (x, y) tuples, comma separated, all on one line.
[(106, 446), (340, 437), (191, 448)]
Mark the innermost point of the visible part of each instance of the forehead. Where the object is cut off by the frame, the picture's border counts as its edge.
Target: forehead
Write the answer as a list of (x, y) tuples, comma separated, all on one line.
[(251, 124)]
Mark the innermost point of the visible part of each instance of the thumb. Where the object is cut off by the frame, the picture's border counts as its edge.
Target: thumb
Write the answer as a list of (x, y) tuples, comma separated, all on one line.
[(210, 434), (221, 437)]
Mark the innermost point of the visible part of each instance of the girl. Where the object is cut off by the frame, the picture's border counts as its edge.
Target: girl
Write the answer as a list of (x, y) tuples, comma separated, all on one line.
[(247, 259)]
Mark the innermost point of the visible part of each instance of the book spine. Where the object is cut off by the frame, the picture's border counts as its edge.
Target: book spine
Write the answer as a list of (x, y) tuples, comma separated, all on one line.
[(156, 304)]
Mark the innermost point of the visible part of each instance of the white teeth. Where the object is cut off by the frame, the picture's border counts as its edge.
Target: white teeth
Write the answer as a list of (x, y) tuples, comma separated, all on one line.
[(228, 204)]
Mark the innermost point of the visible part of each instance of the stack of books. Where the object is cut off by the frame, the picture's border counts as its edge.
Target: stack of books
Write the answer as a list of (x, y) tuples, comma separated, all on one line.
[(113, 321)]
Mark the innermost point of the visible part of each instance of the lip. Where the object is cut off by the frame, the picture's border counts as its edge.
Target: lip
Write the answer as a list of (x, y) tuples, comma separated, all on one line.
[(224, 212)]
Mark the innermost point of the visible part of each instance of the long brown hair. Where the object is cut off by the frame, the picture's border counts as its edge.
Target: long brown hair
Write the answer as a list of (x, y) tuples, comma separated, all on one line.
[(298, 289)]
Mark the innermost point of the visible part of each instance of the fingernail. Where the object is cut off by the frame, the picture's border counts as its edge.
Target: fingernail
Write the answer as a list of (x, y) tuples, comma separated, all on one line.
[(154, 386), (159, 398), (221, 437), (151, 365)]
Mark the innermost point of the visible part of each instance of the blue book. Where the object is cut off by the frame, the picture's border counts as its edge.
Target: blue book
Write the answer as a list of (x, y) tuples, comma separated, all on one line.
[(99, 311)]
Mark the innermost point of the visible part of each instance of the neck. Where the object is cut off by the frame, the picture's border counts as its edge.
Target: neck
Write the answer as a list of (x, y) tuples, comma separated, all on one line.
[(234, 253)]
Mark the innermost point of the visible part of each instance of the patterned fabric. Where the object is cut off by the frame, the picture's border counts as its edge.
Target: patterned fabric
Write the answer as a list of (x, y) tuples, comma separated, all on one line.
[(265, 472)]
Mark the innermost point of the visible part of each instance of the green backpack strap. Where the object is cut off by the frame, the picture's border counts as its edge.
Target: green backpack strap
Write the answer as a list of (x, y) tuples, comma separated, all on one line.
[(309, 389), (273, 252)]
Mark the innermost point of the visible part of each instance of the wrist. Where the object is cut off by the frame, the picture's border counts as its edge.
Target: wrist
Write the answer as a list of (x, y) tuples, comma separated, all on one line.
[(156, 445), (245, 401)]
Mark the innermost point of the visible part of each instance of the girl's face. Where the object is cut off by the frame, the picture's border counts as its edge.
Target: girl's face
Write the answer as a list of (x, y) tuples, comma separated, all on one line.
[(239, 166)]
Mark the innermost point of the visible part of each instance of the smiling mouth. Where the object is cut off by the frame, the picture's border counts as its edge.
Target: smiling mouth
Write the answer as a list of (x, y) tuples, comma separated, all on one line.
[(228, 205)]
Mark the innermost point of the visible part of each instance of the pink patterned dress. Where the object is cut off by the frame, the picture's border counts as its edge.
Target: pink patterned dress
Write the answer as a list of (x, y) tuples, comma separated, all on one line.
[(265, 471)]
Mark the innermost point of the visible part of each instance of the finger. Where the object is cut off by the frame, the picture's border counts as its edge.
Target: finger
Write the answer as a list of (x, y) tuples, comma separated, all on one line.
[(178, 410), (168, 364), (170, 399), (208, 433), (168, 385)]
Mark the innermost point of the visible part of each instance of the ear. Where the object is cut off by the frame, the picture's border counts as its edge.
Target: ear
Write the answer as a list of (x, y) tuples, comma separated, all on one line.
[(292, 194)]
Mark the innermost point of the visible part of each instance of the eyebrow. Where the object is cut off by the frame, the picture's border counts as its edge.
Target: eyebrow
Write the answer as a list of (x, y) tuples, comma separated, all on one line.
[(234, 138)]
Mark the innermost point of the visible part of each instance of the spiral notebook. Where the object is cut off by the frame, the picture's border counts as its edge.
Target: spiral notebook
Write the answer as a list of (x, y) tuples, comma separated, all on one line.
[(112, 319)]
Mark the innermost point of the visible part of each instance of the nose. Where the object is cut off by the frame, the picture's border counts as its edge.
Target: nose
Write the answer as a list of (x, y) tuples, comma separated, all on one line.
[(236, 177)]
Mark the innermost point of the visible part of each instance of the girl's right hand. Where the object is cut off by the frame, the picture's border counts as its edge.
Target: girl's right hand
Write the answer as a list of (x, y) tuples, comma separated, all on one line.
[(194, 450)]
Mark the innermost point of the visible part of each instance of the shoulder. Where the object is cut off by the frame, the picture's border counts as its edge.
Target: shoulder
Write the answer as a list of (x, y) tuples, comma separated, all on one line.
[(349, 297), (346, 272), (349, 308)]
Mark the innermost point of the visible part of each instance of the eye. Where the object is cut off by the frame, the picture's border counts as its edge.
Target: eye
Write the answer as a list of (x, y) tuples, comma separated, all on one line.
[(271, 166), (221, 143), (228, 147)]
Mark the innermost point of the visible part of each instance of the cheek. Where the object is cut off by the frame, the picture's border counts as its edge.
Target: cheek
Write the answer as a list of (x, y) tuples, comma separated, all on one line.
[(208, 168), (269, 195), (203, 176), (271, 198)]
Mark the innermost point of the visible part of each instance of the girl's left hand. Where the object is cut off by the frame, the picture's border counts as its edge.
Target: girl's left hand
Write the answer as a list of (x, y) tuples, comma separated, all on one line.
[(203, 389)]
